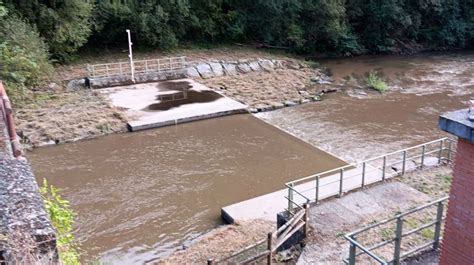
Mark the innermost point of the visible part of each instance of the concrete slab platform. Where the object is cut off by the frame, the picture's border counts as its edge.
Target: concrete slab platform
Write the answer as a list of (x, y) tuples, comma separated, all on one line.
[(269, 205), (158, 104)]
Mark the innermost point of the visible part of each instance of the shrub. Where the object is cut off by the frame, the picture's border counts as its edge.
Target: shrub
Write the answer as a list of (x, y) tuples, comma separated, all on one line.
[(62, 218), (376, 82), (23, 56)]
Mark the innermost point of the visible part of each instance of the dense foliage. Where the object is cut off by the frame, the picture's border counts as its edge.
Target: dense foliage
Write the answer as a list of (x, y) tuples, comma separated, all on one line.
[(341, 27), (23, 54)]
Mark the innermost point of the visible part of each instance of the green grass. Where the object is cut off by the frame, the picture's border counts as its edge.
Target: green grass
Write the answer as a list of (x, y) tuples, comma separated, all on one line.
[(374, 81)]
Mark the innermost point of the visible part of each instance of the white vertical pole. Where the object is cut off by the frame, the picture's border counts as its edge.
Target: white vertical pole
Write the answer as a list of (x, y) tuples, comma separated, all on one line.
[(130, 55)]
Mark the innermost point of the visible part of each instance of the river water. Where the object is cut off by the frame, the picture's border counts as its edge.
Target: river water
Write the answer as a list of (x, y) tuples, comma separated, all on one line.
[(355, 125), (141, 195)]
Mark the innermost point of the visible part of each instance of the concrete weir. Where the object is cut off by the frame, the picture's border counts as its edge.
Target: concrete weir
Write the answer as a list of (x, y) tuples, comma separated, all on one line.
[(269, 205), (152, 105)]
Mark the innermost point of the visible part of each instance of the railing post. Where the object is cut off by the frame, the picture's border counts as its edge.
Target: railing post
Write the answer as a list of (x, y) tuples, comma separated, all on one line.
[(449, 153), (317, 190), (290, 197), (107, 69), (363, 174), (439, 220), (440, 150), (120, 67), (341, 172), (305, 219), (404, 161), (352, 253), (269, 248), (398, 241), (210, 262), (383, 167), (423, 150)]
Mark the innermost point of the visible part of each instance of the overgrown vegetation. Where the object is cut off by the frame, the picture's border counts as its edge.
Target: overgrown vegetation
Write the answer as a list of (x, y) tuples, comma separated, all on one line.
[(23, 55), (62, 218), (56, 30), (374, 81)]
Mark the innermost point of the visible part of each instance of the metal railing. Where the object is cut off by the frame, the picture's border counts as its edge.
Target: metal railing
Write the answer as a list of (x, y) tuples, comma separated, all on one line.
[(139, 67), (266, 247), (6, 117), (360, 174), (396, 238)]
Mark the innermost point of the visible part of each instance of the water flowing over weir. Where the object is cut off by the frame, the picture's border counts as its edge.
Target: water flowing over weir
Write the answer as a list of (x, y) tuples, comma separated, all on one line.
[(141, 195)]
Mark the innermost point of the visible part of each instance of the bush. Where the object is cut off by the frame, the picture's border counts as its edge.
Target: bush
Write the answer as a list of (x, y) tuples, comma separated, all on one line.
[(62, 218), (376, 82), (23, 56)]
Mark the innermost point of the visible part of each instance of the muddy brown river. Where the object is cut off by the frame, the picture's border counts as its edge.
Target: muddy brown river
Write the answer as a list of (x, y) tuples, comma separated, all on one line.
[(141, 195)]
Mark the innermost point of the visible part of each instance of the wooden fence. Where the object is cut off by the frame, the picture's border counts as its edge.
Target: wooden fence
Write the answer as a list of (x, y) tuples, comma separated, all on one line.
[(266, 247)]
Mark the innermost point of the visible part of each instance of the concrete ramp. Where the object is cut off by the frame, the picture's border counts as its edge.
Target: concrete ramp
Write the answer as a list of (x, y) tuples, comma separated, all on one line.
[(158, 104), (269, 205)]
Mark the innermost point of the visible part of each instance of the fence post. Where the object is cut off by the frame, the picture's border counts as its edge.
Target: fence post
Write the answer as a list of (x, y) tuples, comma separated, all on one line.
[(398, 241), (423, 150), (269, 248), (363, 174), (352, 252), (404, 161), (449, 152), (383, 167), (317, 190), (439, 220), (290, 197), (440, 150), (210, 262), (341, 182), (305, 219)]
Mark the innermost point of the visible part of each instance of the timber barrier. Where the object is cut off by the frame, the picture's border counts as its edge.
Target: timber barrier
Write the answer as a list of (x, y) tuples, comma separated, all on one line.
[(267, 246)]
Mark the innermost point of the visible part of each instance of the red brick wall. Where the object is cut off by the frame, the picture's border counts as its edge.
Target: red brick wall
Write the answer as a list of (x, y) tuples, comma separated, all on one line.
[(458, 242)]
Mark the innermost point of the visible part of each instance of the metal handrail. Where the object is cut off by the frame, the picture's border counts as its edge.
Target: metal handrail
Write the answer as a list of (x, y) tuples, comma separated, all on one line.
[(426, 149), (124, 68), (354, 244)]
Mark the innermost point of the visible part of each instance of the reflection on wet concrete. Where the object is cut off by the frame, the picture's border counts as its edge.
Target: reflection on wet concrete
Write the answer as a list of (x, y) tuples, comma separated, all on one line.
[(169, 101), (139, 196)]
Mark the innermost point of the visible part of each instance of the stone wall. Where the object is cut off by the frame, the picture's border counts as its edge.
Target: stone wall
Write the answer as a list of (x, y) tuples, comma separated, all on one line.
[(212, 69), (26, 233), (111, 81)]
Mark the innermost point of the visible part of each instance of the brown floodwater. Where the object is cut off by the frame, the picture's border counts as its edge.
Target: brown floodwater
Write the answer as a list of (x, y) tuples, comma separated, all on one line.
[(355, 125), (141, 195)]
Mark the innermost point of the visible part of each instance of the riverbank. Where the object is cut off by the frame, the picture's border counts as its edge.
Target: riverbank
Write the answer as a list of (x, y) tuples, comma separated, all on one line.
[(58, 115)]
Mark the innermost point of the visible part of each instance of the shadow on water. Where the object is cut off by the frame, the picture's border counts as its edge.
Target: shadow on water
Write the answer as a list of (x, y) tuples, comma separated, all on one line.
[(181, 96)]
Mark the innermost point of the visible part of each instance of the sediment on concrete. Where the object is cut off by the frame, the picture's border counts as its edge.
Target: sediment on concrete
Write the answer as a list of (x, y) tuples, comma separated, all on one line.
[(26, 233)]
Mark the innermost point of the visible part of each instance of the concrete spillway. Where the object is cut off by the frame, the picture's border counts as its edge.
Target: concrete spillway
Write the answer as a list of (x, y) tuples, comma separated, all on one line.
[(159, 104)]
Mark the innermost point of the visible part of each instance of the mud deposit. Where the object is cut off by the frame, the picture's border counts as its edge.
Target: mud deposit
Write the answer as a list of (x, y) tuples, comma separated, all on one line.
[(360, 124), (139, 196)]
